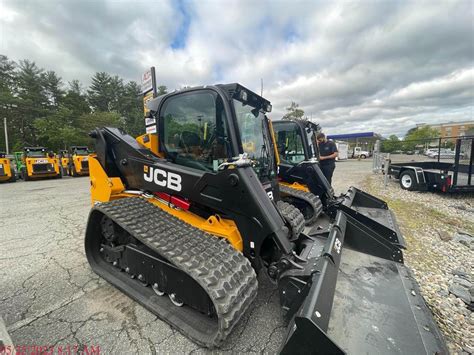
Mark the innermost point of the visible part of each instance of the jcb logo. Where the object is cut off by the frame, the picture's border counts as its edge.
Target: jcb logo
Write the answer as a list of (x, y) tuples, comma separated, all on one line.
[(162, 178)]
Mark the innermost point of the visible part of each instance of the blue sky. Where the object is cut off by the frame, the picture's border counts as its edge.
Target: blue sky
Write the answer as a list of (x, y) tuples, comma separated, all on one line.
[(353, 66)]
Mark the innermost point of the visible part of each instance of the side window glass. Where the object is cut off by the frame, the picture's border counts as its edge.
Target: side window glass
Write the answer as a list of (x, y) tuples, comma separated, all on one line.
[(290, 146), (195, 132)]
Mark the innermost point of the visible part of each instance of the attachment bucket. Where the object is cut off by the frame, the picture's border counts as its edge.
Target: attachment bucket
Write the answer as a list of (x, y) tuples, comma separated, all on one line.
[(373, 213), (360, 297)]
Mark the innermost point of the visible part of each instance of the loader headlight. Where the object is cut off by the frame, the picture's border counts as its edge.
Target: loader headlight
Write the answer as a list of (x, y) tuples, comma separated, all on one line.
[(243, 95), (268, 108)]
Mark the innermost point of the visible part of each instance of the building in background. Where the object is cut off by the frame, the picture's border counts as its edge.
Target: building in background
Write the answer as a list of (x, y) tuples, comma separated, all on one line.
[(452, 129), (364, 140)]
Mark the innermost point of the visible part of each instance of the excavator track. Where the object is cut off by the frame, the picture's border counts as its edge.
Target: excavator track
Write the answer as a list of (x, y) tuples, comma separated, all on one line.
[(309, 204), (293, 217), (209, 265)]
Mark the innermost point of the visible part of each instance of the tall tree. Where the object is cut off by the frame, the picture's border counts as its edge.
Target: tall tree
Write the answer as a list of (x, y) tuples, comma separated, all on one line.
[(55, 132), (294, 112), (99, 93), (162, 90), (9, 103), (132, 104), (52, 88), (33, 99), (391, 144), (117, 93), (75, 87), (75, 101), (422, 136)]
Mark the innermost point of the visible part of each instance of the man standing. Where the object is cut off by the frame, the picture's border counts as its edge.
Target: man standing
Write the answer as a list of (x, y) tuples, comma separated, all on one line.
[(327, 156)]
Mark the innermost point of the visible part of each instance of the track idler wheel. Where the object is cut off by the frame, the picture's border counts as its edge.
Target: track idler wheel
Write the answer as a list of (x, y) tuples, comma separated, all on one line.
[(156, 289), (107, 228), (142, 280), (175, 300)]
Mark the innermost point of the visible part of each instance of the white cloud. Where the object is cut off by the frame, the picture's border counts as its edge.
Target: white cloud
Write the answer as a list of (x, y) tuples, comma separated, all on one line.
[(380, 66)]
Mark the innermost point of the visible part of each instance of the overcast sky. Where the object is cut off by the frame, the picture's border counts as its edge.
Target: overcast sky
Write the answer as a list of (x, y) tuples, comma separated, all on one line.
[(368, 66)]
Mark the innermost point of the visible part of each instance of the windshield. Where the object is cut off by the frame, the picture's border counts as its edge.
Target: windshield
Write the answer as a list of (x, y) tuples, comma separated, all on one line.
[(36, 153), (289, 143), (255, 138)]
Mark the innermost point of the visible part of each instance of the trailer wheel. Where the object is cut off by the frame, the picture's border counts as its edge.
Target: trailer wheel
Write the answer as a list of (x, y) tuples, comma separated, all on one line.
[(408, 180)]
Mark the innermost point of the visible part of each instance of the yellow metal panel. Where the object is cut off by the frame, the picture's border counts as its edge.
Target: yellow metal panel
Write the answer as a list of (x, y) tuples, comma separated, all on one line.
[(103, 188), (295, 185), (147, 97), (64, 162), (152, 143), (275, 148), (214, 225), (77, 164), (7, 168)]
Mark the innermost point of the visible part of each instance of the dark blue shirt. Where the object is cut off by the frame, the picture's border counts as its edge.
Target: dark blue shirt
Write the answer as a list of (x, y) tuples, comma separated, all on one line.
[(325, 149)]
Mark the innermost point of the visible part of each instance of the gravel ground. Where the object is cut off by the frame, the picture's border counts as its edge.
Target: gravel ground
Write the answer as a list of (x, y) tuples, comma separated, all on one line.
[(49, 295), (430, 223)]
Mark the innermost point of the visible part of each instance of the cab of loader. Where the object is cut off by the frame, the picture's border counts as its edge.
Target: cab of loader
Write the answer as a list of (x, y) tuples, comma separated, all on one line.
[(197, 130), (293, 146)]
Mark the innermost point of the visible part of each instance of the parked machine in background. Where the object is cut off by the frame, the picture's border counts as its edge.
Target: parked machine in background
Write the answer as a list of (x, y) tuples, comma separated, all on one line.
[(63, 156), (37, 163), (7, 169), (358, 152), (343, 150), (192, 213), (78, 164)]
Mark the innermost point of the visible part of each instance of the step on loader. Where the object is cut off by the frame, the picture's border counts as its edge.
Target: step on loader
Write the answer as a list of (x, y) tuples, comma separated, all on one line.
[(37, 163), (7, 169), (184, 219)]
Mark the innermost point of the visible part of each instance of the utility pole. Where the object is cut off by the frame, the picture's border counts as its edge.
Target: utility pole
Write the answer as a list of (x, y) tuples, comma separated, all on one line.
[(6, 133)]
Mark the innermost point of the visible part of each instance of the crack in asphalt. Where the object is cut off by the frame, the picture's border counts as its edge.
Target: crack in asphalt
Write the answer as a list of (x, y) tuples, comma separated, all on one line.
[(58, 237)]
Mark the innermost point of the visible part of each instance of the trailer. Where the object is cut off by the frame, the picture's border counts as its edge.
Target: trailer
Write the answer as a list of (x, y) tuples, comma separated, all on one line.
[(443, 176), (343, 149)]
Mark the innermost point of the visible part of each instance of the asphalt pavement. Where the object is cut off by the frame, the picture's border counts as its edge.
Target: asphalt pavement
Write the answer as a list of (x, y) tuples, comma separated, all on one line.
[(49, 296)]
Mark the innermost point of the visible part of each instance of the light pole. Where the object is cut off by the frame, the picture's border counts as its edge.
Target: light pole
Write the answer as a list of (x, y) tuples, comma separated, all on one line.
[(7, 106), (6, 133)]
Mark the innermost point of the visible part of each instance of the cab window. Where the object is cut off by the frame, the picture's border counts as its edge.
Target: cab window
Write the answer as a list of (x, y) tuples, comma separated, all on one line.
[(290, 144), (195, 132)]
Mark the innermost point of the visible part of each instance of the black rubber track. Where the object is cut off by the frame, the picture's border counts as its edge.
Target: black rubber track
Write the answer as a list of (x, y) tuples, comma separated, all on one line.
[(289, 195), (293, 217), (224, 273)]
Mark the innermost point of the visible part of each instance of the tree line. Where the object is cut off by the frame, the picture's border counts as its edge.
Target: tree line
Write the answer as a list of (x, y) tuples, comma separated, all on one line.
[(42, 110)]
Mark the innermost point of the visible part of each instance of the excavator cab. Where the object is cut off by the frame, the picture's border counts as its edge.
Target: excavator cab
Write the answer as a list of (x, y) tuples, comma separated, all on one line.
[(193, 213)]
